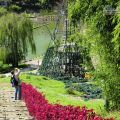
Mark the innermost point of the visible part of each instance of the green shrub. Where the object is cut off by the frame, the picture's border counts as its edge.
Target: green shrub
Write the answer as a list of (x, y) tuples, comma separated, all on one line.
[(4, 68), (90, 91), (71, 90), (1, 63), (3, 11), (112, 93), (14, 8)]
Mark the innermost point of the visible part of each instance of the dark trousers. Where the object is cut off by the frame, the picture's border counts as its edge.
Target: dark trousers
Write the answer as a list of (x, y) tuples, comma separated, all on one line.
[(18, 92)]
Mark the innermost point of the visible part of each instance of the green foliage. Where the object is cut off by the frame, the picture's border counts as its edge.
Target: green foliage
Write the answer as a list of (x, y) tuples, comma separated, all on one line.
[(88, 90), (113, 86), (4, 68), (72, 91), (101, 30), (116, 38), (2, 54), (16, 33), (1, 62), (81, 41), (32, 5), (14, 8), (3, 11)]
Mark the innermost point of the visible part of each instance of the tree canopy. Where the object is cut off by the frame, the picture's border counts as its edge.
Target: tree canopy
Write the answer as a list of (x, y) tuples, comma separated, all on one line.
[(100, 31), (16, 33)]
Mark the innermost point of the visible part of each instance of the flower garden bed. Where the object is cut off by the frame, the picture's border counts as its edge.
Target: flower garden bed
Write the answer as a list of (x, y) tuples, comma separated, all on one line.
[(40, 109)]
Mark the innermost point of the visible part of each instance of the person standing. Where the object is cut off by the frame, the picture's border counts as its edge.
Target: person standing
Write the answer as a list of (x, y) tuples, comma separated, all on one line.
[(16, 83)]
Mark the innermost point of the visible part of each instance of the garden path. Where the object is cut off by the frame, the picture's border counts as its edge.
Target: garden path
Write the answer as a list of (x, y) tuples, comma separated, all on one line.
[(9, 108)]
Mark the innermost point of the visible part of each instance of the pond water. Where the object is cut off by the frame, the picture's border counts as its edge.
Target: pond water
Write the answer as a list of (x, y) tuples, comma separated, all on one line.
[(42, 40)]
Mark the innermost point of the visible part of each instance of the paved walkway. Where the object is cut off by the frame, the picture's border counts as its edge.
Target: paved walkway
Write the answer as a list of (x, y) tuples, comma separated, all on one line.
[(9, 108)]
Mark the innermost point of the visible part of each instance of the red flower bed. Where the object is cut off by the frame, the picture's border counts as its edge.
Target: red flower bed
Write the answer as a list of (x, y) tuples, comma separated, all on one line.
[(40, 109)]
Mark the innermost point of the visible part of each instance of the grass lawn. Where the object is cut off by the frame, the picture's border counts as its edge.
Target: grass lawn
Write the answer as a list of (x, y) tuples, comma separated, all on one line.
[(56, 93), (4, 79)]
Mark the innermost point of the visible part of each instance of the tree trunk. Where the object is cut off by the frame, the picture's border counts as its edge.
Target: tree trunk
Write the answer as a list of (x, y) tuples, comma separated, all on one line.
[(15, 64)]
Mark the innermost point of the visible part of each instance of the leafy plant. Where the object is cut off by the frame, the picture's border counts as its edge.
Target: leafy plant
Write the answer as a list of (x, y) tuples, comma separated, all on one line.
[(4, 68), (14, 8), (3, 11), (100, 28), (16, 34)]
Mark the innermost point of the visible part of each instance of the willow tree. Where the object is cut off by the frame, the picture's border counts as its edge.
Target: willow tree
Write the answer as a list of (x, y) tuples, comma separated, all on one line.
[(16, 34), (101, 20)]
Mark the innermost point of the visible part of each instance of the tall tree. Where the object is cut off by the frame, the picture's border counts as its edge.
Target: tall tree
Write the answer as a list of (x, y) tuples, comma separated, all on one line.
[(101, 28), (16, 34)]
